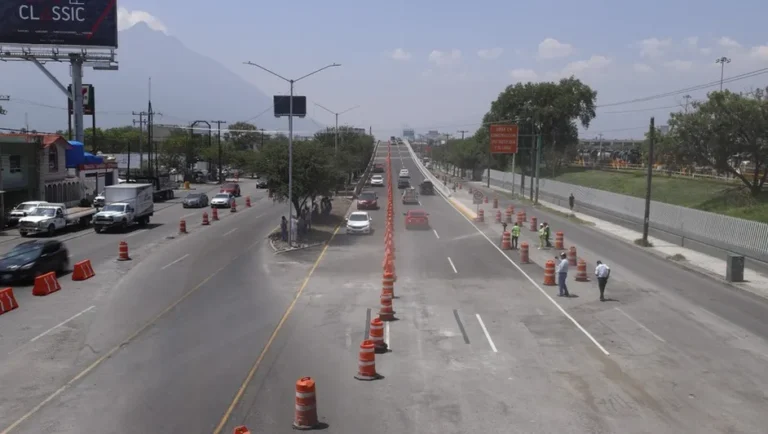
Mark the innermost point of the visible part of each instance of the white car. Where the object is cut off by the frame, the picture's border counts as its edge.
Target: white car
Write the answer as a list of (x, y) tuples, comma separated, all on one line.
[(377, 181), (404, 173), (359, 222), (222, 200)]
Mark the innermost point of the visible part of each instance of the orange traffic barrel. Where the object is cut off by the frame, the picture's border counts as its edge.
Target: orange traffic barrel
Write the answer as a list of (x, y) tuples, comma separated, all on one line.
[(495, 202), (386, 312), (247, 201), (498, 216), (388, 284), (206, 222), (524, 259), (572, 256), (508, 216), (559, 241), (377, 336), (366, 361), (242, 429), (549, 273), (506, 240), (305, 416), (214, 214), (581, 271), (525, 217), (520, 218), (480, 216), (122, 252), (533, 224), (182, 226)]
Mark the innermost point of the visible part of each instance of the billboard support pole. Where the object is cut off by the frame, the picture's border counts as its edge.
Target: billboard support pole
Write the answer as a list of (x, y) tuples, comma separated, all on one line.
[(50, 76), (76, 61)]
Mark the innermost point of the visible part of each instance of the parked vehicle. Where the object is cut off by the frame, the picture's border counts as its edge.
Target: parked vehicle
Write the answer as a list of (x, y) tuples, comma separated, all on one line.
[(30, 259), (52, 217), (162, 184), (22, 210), (127, 204)]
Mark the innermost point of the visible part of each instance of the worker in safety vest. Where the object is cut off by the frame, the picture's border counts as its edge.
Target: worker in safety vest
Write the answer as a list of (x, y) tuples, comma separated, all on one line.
[(542, 236), (515, 235)]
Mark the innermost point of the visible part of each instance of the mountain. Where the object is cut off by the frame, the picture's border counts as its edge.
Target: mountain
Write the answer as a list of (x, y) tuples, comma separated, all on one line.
[(186, 86)]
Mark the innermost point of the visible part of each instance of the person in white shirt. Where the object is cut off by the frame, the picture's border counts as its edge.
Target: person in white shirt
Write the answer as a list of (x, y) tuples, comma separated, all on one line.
[(562, 275), (602, 272)]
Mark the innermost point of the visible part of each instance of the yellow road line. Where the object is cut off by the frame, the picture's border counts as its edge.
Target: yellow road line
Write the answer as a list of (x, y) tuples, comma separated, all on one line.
[(463, 209), (114, 349), (257, 363)]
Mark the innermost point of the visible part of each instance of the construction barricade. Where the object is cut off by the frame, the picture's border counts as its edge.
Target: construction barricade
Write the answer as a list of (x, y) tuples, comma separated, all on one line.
[(305, 416), (524, 258), (46, 284), (549, 273), (82, 270), (7, 300), (581, 271)]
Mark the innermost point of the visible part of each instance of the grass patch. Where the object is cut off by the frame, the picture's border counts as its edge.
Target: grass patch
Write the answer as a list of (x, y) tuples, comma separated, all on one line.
[(641, 243), (676, 257), (322, 227), (727, 198)]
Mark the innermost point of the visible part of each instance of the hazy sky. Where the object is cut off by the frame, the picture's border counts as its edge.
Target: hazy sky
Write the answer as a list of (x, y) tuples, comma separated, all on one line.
[(433, 64)]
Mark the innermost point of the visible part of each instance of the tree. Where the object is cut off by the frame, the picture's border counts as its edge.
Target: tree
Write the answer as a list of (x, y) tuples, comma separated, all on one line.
[(550, 109), (243, 136), (313, 171), (727, 132), (355, 149), (172, 152)]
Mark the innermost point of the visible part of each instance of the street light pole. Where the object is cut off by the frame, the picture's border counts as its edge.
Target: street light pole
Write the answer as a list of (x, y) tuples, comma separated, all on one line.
[(336, 138), (722, 61), (290, 131)]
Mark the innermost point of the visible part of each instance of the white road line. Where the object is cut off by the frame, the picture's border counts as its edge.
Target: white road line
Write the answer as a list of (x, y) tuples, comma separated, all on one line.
[(452, 266), (176, 261), (533, 282), (230, 232), (387, 338), (487, 335), (188, 215), (61, 324), (435, 231), (641, 326), (136, 232)]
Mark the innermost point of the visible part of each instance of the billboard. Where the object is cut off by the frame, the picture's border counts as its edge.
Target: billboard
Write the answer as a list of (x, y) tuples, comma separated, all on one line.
[(89, 100), (503, 139), (74, 23), (282, 105)]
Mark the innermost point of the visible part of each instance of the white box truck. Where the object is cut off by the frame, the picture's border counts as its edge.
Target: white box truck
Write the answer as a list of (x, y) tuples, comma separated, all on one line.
[(126, 204)]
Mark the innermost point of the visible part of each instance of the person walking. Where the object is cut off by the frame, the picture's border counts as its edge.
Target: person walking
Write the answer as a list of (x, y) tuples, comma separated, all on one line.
[(547, 234), (284, 229), (571, 201), (562, 275), (542, 234), (515, 235), (602, 272)]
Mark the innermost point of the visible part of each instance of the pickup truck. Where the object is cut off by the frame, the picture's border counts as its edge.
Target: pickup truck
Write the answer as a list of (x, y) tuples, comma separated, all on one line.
[(52, 217), (22, 210), (126, 204)]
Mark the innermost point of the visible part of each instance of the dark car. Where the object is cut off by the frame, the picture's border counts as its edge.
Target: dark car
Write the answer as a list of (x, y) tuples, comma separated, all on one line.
[(195, 200), (427, 188), (232, 188), (403, 183), (367, 200), (416, 219), (261, 182), (378, 168), (33, 258)]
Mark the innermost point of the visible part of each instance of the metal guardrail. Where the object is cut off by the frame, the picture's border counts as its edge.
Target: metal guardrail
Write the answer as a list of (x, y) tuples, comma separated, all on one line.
[(367, 172), (444, 190)]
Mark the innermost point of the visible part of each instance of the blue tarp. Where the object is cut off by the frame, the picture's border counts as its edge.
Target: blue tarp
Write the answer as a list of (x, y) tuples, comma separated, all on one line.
[(76, 155), (92, 159)]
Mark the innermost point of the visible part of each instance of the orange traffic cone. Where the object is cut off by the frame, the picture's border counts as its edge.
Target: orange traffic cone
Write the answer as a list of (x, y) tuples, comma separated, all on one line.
[(366, 362), (305, 417)]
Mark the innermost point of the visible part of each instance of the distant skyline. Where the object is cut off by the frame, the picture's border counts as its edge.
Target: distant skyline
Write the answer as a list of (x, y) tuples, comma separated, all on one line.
[(438, 66)]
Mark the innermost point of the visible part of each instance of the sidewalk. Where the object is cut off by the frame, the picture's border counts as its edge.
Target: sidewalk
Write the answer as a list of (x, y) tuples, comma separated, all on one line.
[(755, 282)]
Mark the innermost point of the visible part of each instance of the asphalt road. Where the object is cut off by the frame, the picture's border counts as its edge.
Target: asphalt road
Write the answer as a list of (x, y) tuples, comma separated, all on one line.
[(481, 348), (141, 344)]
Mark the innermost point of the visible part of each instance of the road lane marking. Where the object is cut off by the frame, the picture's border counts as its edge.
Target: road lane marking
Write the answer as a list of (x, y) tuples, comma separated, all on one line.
[(241, 391), (452, 266), (387, 338), (461, 326), (487, 335), (229, 232), (641, 326), (435, 231), (62, 323), (117, 348), (176, 261), (136, 232), (528, 277), (188, 215)]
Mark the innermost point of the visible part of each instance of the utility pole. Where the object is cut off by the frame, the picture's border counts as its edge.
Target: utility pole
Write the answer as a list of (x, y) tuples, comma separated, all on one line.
[(647, 218), (141, 122), (262, 138), (462, 132), (722, 61), (336, 138), (218, 127), (538, 166), (687, 99)]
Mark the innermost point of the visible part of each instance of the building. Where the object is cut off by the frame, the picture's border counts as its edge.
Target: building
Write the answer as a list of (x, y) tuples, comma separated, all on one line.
[(409, 134)]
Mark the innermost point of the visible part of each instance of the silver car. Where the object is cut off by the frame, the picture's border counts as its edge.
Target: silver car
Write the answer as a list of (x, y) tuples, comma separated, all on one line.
[(359, 222), (195, 200), (222, 200)]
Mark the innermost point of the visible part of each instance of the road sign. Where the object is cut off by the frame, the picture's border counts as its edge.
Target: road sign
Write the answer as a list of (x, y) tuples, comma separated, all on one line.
[(89, 100), (503, 139), (477, 197)]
